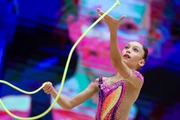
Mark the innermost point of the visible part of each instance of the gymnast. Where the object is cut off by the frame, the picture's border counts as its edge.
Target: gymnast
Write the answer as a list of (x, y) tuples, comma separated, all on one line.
[(117, 93)]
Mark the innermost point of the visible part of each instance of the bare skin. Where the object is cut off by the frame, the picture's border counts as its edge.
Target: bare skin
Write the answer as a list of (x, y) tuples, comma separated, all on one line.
[(130, 59)]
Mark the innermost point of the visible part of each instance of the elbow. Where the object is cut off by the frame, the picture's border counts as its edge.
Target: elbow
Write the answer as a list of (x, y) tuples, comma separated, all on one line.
[(116, 60), (66, 107), (113, 62), (117, 64)]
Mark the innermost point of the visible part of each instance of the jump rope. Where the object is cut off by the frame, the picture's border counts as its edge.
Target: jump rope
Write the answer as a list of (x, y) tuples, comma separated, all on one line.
[(64, 74)]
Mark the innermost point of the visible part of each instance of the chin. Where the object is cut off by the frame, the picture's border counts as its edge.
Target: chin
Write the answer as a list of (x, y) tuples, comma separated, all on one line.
[(126, 62)]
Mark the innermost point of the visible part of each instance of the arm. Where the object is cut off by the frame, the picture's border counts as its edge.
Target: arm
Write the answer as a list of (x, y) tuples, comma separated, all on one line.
[(67, 103), (120, 66), (115, 55)]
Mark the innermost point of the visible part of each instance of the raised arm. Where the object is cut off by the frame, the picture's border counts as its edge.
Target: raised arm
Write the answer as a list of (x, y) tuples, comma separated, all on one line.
[(67, 103), (115, 54)]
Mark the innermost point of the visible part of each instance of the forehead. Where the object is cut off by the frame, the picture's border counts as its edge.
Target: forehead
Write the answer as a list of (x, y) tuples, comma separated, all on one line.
[(135, 44)]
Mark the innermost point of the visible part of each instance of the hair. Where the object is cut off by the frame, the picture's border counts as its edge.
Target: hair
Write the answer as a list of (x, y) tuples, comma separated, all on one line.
[(145, 53)]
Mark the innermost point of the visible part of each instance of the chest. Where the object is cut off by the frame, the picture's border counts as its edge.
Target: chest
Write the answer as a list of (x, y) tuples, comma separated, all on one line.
[(108, 88)]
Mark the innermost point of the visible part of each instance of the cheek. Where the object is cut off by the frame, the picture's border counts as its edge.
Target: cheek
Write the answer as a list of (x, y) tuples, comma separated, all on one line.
[(136, 58), (123, 52)]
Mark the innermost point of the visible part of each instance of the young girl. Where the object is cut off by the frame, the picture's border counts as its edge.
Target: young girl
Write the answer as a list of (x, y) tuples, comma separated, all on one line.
[(117, 93)]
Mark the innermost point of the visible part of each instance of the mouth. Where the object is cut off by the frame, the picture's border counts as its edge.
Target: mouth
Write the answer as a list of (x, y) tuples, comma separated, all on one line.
[(126, 56)]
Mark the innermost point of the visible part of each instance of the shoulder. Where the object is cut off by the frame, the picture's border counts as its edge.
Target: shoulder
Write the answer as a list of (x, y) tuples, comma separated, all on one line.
[(95, 82), (135, 78), (138, 75)]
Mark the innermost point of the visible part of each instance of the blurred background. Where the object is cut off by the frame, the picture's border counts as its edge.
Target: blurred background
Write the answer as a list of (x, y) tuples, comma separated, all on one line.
[(37, 35)]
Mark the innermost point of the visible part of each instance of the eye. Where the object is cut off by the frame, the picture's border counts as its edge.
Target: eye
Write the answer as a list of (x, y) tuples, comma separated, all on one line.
[(136, 50), (126, 47)]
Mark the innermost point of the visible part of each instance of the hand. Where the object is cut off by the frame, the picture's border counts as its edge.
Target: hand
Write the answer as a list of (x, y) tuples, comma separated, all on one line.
[(111, 22), (48, 88)]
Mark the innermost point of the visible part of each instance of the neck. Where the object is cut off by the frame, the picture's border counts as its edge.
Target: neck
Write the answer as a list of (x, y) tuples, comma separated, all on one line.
[(116, 77)]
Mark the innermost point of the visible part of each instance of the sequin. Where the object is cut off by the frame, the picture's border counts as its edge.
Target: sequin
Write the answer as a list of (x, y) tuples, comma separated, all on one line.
[(110, 98)]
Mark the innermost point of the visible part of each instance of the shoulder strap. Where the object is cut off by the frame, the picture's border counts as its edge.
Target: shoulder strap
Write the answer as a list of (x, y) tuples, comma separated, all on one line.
[(100, 80)]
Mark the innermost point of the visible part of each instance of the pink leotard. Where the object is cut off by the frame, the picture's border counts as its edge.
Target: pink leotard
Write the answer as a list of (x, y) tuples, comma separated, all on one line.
[(110, 97)]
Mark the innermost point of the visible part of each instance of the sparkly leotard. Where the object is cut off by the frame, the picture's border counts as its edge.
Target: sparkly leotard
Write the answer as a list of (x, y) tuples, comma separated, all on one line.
[(110, 97)]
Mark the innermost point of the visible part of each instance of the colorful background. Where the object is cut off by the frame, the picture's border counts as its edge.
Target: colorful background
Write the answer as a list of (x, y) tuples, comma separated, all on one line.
[(36, 37)]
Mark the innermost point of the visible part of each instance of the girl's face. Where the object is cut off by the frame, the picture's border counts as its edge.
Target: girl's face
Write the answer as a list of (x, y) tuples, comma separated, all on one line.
[(132, 55)]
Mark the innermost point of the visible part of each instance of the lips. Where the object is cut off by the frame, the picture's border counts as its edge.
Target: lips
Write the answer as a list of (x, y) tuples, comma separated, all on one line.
[(126, 56)]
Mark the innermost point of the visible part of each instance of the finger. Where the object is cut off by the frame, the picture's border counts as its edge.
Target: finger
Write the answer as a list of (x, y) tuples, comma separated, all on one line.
[(100, 16), (100, 11), (122, 17), (47, 86), (48, 91)]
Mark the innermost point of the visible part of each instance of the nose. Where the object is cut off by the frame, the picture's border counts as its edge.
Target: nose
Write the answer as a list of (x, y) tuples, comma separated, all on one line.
[(128, 51)]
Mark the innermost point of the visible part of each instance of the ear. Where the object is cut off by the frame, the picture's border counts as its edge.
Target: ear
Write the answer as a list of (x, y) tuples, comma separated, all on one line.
[(141, 63)]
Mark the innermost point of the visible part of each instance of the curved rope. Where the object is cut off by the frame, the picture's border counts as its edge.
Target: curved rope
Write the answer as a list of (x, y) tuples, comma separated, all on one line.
[(64, 74)]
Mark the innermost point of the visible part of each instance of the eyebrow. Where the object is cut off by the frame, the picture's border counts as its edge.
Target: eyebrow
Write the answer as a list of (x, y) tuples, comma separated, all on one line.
[(128, 45), (135, 46)]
